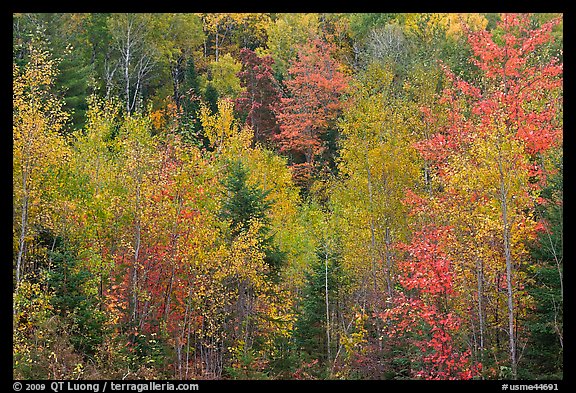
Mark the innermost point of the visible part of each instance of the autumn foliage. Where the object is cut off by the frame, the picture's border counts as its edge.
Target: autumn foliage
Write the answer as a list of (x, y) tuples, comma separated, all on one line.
[(261, 98), (314, 88), (288, 196), (423, 313)]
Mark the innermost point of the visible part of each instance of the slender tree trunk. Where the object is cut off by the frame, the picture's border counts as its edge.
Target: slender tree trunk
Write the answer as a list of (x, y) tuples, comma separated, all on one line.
[(21, 241), (372, 243), (176, 72), (174, 244), (109, 72), (557, 260), (372, 225), (186, 330), (388, 263), (506, 240), (216, 52), (205, 29), (509, 273), (557, 328), (480, 281), (127, 66), (171, 281), (427, 180), (327, 308), (135, 271), (137, 244), (24, 215)]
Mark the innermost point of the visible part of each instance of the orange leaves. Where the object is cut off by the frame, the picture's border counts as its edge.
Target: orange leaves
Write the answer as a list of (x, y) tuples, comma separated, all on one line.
[(315, 87), (187, 215), (488, 164), (158, 120), (517, 83)]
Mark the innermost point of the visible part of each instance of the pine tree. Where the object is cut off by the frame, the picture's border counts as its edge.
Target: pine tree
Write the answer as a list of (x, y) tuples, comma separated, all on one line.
[(191, 126), (544, 357), (211, 97), (75, 299), (314, 328), (73, 81), (243, 204)]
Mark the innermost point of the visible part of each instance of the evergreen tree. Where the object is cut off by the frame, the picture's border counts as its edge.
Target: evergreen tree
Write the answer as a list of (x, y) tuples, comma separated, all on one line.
[(73, 81), (191, 126), (211, 97), (66, 34), (322, 290), (75, 300), (544, 356), (243, 204)]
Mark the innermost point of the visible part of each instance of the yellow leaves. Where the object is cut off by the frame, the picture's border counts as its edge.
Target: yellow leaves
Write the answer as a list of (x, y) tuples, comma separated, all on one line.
[(78, 371), (270, 172), (453, 23), (215, 21), (101, 116), (175, 33), (32, 308), (219, 127), (280, 314), (38, 73), (425, 24), (245, 259), (135, 133), (158, 119), (39, 151), (378, 163)]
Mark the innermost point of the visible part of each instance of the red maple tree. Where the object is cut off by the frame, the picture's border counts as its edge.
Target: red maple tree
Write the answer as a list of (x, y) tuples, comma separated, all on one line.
[(516, 99), (261, 97), (423, 311), (517, 90), (315, 85)]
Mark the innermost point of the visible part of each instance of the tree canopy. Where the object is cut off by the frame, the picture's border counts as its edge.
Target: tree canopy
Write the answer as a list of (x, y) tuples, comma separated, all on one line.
[(288, 196)]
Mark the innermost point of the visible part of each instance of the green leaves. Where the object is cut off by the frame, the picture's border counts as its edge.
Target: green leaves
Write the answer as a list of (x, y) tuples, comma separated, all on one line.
[(242, 203)]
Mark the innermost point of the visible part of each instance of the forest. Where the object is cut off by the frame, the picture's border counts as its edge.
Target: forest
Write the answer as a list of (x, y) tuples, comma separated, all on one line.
[(283, 196)]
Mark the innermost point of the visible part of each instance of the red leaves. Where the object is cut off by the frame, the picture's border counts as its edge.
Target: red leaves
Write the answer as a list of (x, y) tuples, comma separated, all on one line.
[(468, 89), (262, 95), (440, 146), (300, 373), (517, 100), (513, 103), (431, 331), (314, 87), (429, 274), (541, 226), (429, 269), (517, 84), (187, 215)]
